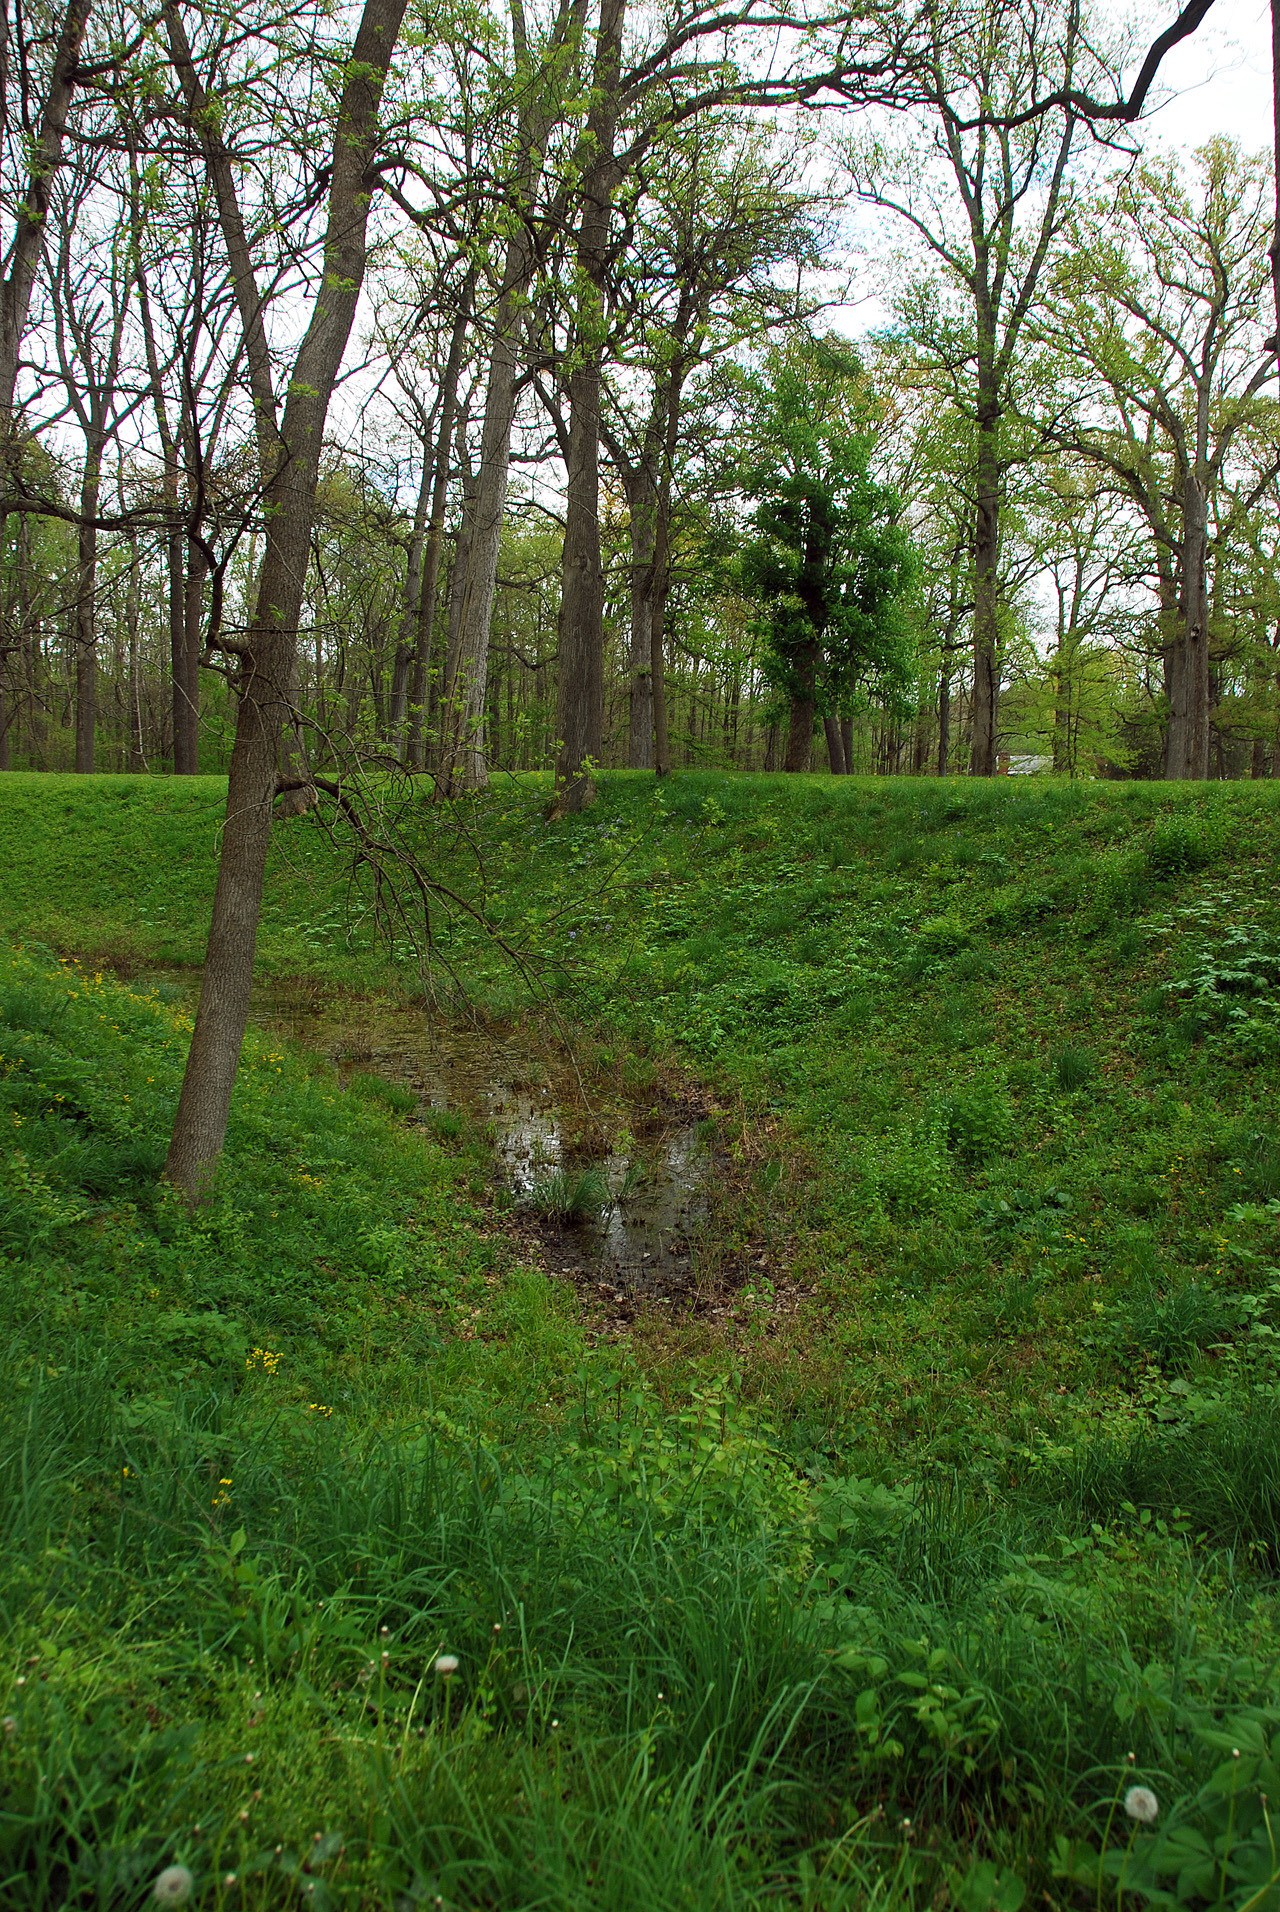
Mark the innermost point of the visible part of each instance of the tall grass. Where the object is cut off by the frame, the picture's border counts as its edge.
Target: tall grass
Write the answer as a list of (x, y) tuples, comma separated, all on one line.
[(223, 1610)]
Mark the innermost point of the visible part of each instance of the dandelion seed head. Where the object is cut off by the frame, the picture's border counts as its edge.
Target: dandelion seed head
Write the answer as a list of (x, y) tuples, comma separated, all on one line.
[(1141, 1804), (446, 1664), (174, 1886)]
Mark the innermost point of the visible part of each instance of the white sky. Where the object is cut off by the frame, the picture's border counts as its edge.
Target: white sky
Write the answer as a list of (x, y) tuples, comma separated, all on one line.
[(1219, 79)]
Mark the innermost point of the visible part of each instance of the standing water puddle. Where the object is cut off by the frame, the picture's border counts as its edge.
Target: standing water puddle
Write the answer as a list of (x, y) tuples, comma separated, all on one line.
[(640, 1190)]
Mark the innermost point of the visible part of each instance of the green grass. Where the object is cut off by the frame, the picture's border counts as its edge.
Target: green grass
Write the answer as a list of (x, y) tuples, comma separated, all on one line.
[(974, 1494)]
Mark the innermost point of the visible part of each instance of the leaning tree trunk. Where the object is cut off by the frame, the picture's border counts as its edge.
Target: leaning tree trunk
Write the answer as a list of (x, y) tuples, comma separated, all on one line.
[(268, 656), (835, 746), (28, 239), (986, 600)]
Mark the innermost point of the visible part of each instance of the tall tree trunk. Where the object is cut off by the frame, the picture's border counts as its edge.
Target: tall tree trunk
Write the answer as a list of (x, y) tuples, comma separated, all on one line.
[(1187, 736), (770, 747), (86, 613), (180, 676), (424, 609), (186, 686), (835, 746), (642, 499), (406, 639), (803, 709), (658, 663), (944, 715), (1063, 689), (986, 594), (580, 681), (462, 762), (135, 758), (1275, 168), (458, 574), (177, 606), (268, 657)]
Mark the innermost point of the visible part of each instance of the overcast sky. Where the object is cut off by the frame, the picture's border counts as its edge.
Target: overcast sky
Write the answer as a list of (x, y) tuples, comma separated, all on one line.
[(1220, 78)]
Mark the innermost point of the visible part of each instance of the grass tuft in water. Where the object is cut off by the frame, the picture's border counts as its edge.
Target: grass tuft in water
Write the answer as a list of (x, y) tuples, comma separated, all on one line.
[(570, 1195)]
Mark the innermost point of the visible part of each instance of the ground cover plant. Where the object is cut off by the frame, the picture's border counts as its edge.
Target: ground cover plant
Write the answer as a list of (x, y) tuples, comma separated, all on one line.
[(887, 1584)]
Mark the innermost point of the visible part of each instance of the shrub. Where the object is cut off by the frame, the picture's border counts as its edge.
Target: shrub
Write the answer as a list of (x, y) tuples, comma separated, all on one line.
[(914, 1173), (944, 935), (1015, 906), (977, 1122), (1173, 1326), (1073, 1066), (1178, 845)]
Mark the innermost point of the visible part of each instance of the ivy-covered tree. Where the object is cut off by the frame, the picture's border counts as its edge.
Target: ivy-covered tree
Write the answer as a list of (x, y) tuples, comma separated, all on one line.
[(831, 567)]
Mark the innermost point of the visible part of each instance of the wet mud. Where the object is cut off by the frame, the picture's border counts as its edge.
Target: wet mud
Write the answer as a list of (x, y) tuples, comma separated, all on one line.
[(634, 1171)]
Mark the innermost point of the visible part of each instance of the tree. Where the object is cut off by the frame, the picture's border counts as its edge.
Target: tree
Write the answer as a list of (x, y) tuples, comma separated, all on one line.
[(983, 181), (718, 213), (266, 658), (1158, 297), (830, 565)]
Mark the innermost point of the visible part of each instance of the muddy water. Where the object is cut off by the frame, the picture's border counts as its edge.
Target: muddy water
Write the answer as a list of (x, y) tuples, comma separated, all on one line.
[(648, 1169)]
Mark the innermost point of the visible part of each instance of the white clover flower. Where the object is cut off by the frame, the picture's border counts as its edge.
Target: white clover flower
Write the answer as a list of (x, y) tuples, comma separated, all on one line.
[(446, 1664), (173, 1887), (1141, 1804)]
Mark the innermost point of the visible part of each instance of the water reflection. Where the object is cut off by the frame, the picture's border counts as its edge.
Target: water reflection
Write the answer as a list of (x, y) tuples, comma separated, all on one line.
[(639, 1243)]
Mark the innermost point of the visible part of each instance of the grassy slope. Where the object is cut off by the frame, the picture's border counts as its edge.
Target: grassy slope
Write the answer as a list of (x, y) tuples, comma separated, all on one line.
[(1028, 1178), (1002, 1143)]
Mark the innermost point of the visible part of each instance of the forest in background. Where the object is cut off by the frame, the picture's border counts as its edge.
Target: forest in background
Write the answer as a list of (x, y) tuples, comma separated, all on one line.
[(600, 481)]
